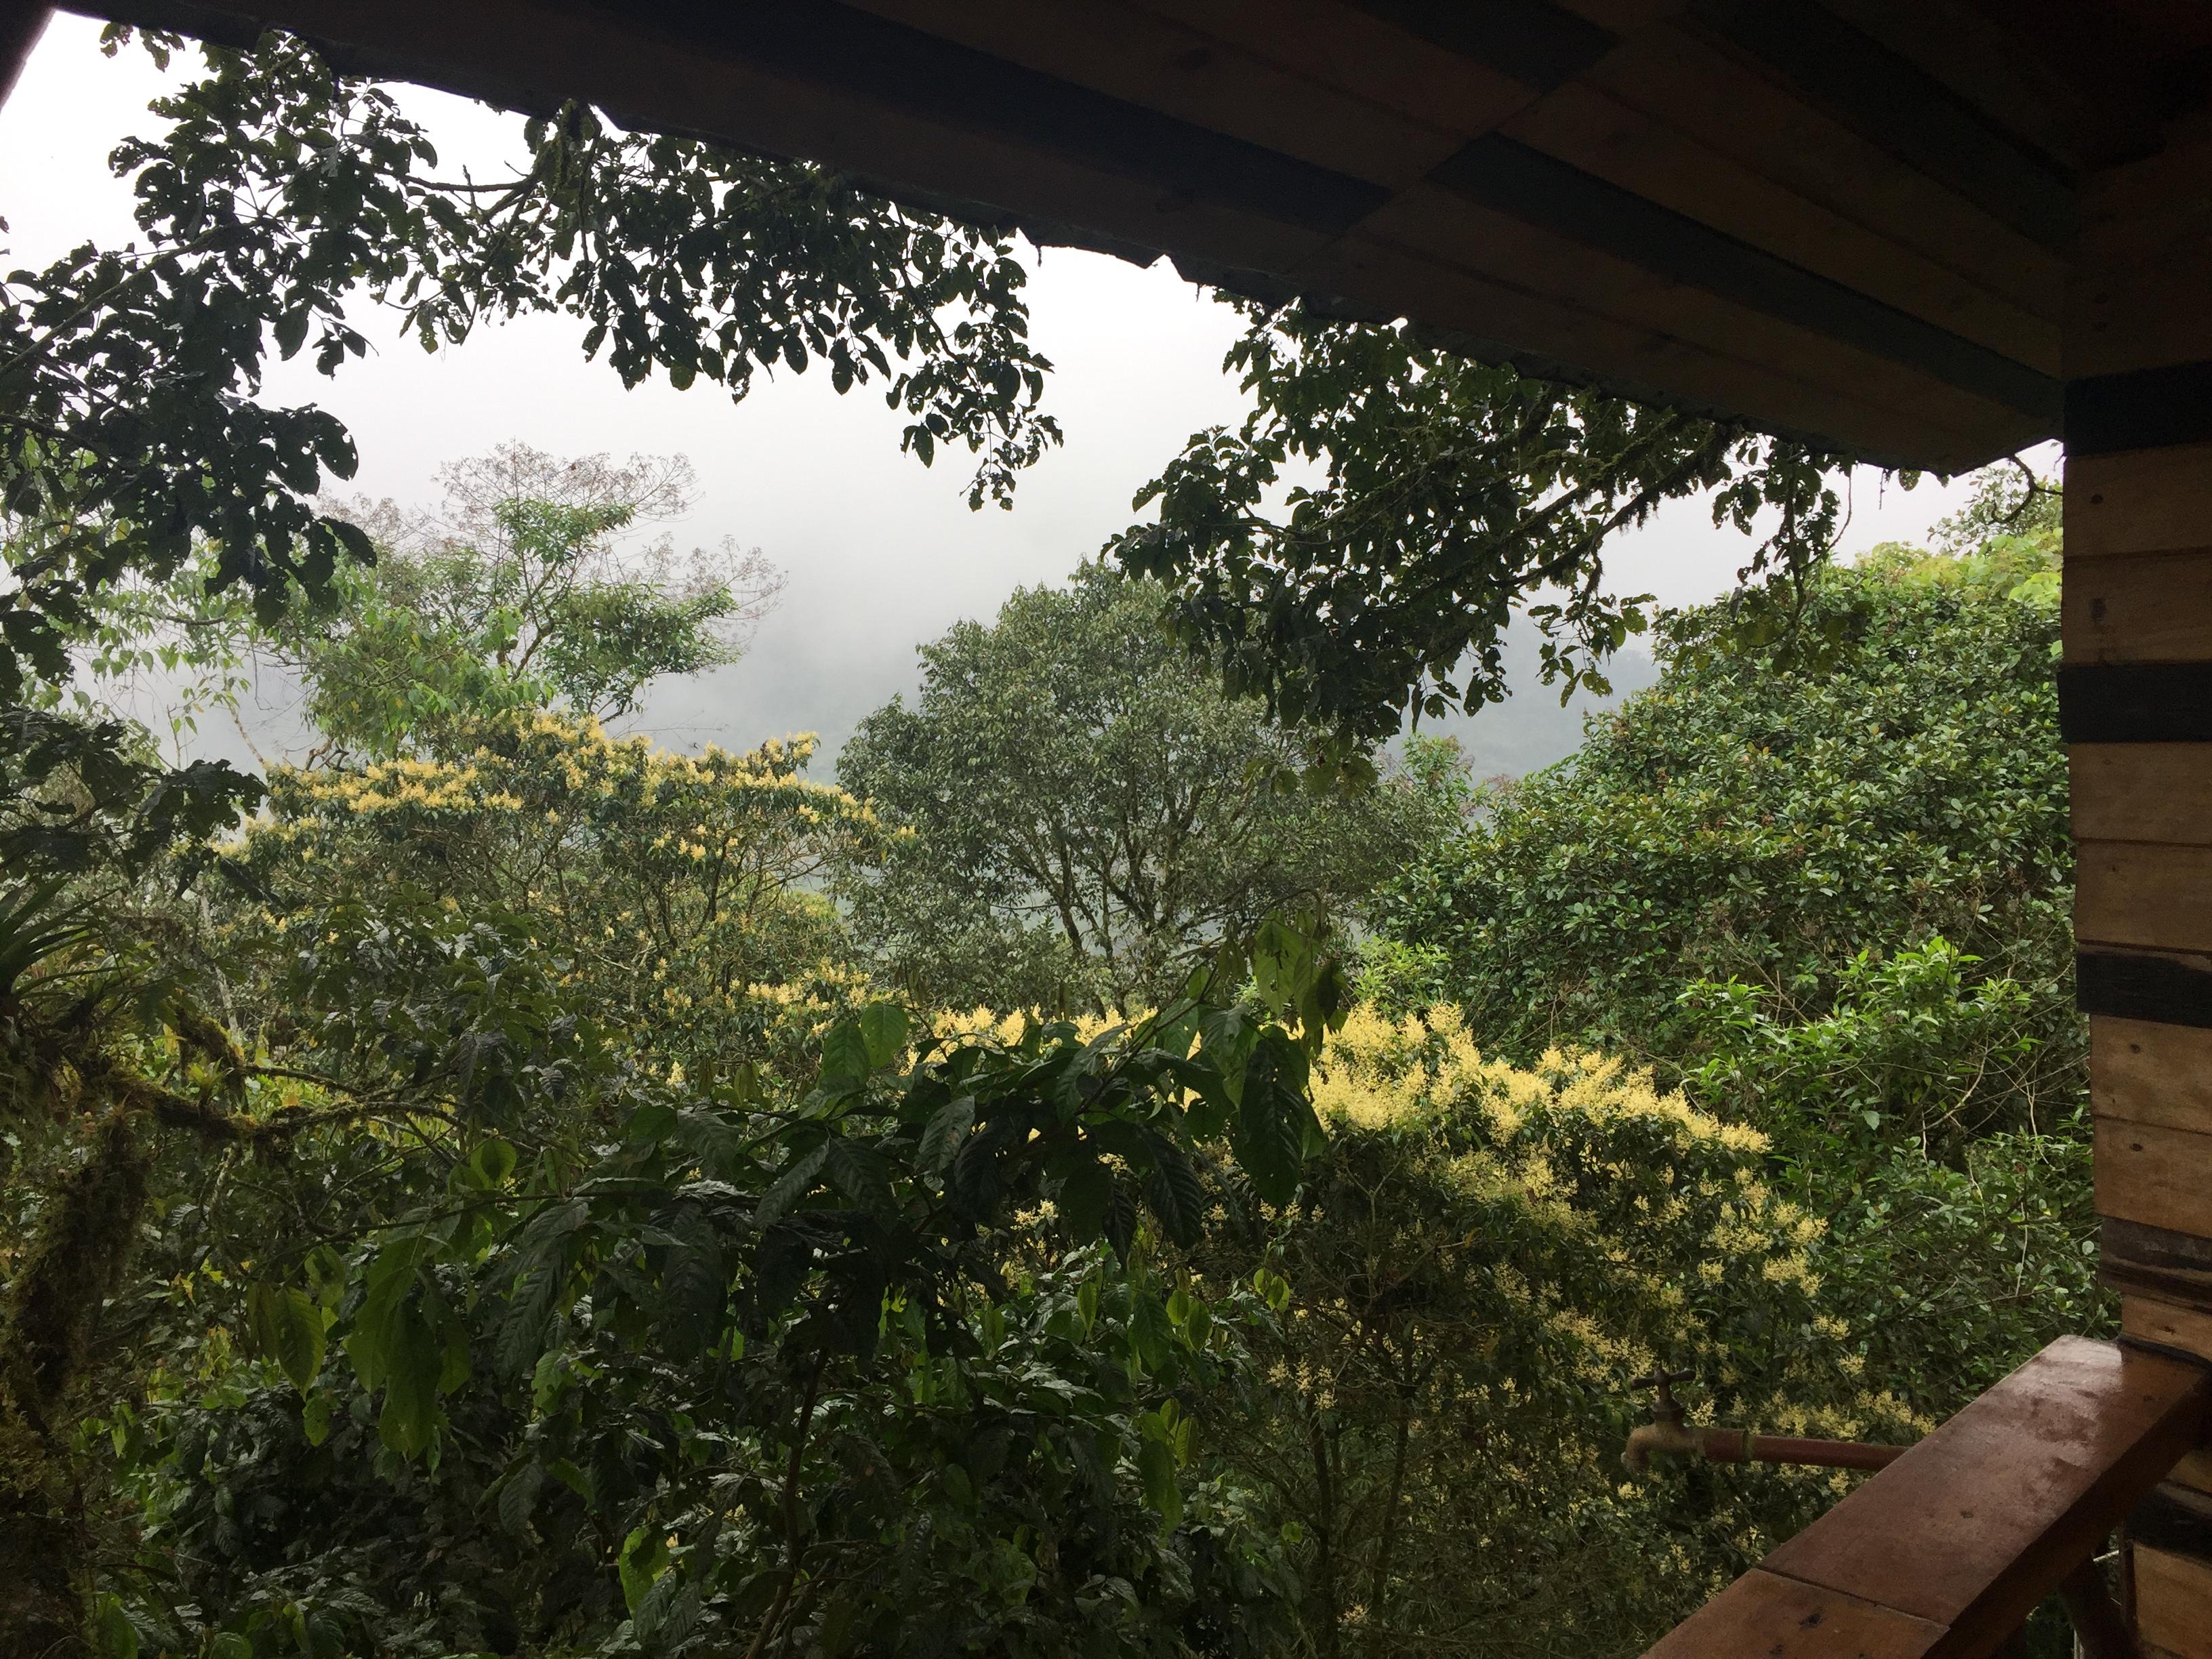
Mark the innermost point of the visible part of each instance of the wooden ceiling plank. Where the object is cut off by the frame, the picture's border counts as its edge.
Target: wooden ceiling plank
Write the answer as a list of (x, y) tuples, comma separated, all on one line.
[(922, 115), (529, 56), (1897, 107), (1973, 1526), (1536, 43), (1690, 86), (1135, 55), (1597, 133), (2051, 108), (2146, 244), (1439, 224), (1499, 173), (1363, 56), (1503, 321)]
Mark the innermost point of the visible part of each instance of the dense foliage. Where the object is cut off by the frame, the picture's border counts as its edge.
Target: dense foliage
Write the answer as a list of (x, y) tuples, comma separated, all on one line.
[(1079, 816), (139, 447), (496, 1202), (1854, 842), (522, 593), (1488, 1257), (1452, 492), (497, 1209)]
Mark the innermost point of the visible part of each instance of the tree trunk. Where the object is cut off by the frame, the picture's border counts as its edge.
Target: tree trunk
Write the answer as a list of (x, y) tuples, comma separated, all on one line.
[(1378, 1592), (1328, 1624), (54, 1307)]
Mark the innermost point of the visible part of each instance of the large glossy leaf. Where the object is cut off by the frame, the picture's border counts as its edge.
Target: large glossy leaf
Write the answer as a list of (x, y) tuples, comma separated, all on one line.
[(287, 1326)]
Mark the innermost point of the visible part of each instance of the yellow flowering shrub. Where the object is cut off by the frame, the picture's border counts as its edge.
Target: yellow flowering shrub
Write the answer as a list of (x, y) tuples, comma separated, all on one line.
[(672, 889), (1477, 1267)]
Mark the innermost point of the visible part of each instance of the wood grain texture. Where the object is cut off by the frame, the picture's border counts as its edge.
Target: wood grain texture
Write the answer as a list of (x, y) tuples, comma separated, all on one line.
[(2167, 1324), (1499, 246), (1594, 131), (2138, 607), (2139, 893), (1700, 90), (1365, 56), (1137, 55), (2139, 500), (2158, 1176), (2194, 1471), (2135, 1258), (2173, 1602), (2142, 792), (2142, 292), (2150, 1073), (1504, 320), (1972, 1527), (1776, 1618)]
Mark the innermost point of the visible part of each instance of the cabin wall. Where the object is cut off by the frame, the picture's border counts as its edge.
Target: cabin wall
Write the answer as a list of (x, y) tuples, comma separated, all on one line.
[(2135, 694)]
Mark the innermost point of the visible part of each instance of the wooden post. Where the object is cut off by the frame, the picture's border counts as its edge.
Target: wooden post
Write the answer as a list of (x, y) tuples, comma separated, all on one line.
[(2135, 699)]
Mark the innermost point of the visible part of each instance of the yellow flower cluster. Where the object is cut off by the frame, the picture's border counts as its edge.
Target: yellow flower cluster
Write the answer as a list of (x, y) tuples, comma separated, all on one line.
[(1377, 1073)]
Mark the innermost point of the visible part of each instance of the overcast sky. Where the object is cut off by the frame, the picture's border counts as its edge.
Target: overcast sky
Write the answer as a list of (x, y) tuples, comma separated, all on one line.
[(880, 554)]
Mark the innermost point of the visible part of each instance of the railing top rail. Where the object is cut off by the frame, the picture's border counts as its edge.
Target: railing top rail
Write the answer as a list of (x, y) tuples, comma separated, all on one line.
[(1944, 1552)]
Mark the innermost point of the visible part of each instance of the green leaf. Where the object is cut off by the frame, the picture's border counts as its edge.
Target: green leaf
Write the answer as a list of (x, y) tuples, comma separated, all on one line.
[(1156, 1470), (315, 1419), (1275, 1123), (111, 1629), (845, 1061), (493, 1161), (389, 1282), (944, 1135), (416, 1360), (883, 1028), (1082, 1199), (1173, 1190), (292, 331), (1150, 1333), (642, 1560), (790, 1187), (518, 1498), (288, 1328)]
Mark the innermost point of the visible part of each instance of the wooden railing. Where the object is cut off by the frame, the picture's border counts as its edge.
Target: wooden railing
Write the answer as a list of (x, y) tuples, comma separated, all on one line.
[(1943, 1554)]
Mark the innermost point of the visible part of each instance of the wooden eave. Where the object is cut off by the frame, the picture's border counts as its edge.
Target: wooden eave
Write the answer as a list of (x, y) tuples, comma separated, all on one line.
[(1846, 222), (1768, 208)]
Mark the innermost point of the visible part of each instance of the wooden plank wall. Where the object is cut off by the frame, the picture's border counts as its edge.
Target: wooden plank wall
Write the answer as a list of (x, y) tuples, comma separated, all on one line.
[(2136, 699)]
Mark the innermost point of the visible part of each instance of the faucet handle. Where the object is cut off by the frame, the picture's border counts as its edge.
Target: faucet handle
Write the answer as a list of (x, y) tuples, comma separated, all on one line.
[(1662, 1382)]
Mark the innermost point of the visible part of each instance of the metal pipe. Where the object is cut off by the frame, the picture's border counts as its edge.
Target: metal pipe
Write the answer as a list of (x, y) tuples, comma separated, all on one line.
[(1667, 1436), (1821, 1454), (1671, 1437)]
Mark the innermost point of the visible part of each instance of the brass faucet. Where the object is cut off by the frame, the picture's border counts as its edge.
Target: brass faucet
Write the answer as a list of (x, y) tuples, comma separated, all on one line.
[(1668, 1436)]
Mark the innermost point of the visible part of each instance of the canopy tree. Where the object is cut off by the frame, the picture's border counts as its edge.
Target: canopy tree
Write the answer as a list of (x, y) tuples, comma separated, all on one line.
[(1077, 815), (1451, 492), (520, 593), (278, 196), (1858, 833)]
